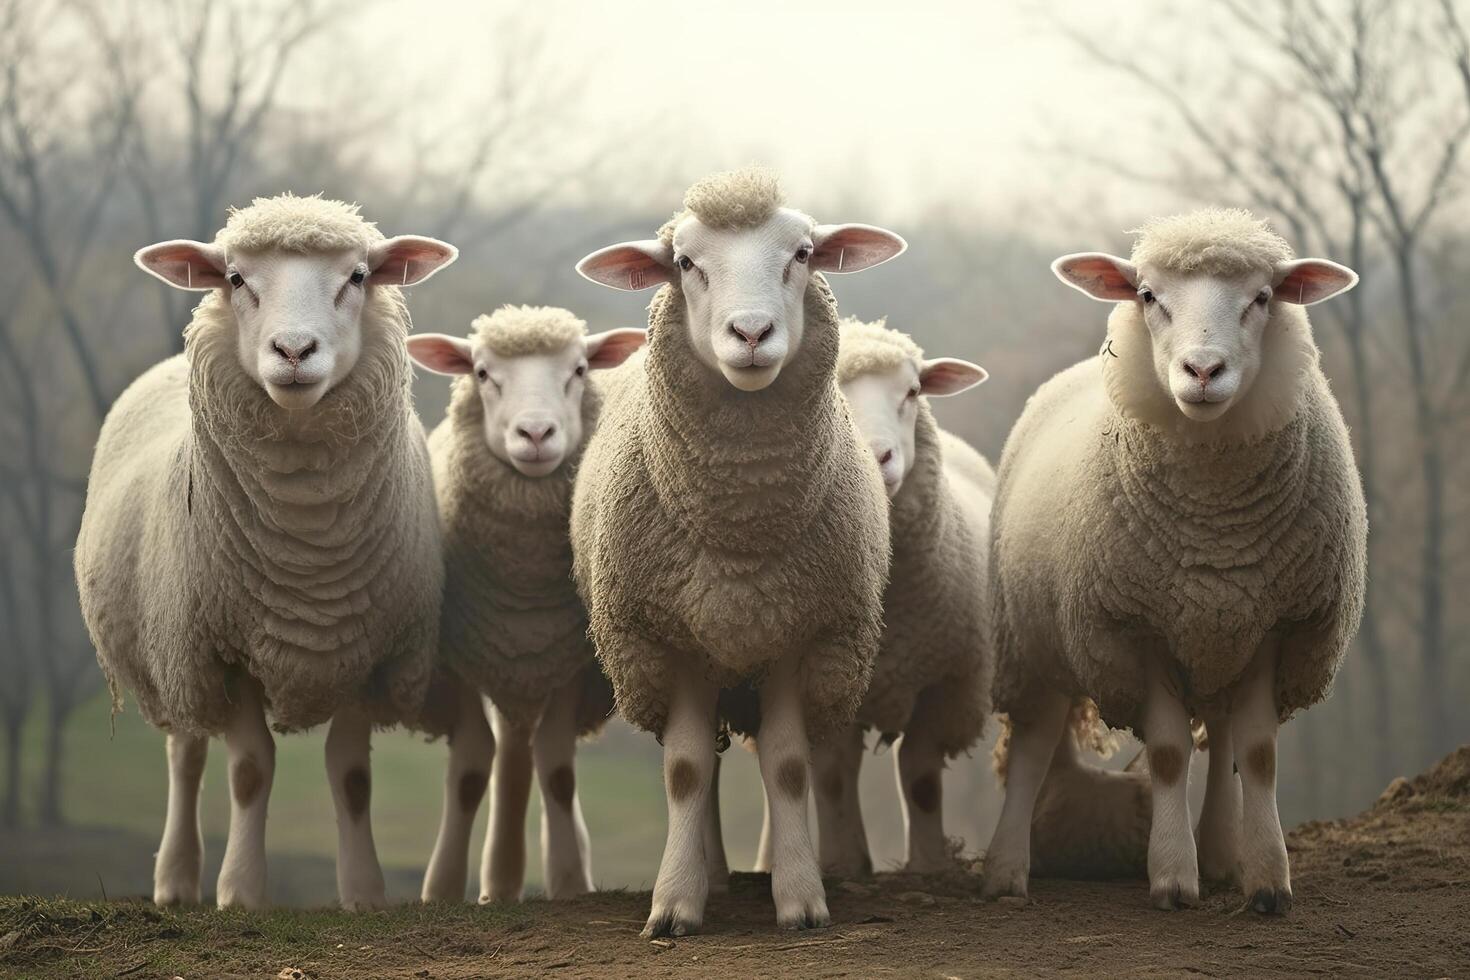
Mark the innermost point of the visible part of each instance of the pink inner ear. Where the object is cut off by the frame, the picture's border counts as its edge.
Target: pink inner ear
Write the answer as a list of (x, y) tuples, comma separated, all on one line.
[(852, 248), (623, 267), (614, 347), (1311, 281), (407, 260), (948, 376), (439, 354), (1098, 276), (184, 264)]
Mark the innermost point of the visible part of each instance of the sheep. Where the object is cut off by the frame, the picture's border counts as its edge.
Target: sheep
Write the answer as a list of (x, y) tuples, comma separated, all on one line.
[(513, 628), (1179, 532), (929, 682), (729, 530), (259, 537)]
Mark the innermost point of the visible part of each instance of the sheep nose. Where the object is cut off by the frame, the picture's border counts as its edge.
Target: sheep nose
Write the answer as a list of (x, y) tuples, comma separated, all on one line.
[(1205, 371), (536, 432), (294, 350), (752, 333)]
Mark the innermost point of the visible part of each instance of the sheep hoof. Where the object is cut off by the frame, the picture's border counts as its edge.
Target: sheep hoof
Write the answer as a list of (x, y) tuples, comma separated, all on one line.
[(1271, 901), (661, 925), (813, 917), (1170, 896), (1003, 881)]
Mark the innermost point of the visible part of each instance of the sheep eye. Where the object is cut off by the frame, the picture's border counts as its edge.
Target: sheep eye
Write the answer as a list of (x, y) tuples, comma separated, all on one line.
[(482, 374), (581, 370), (802, 254), (686, 263), (1263, 297), (359, 276), (913, 393), (1147, 295), (236, 280)]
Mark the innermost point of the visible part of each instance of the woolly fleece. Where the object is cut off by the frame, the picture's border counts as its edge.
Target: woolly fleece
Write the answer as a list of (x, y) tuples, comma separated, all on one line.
[(732, 199), (1116, 538), (223, 534), (513, 625), (934, 607), (297, 224), (731, 527), (1211, 241)]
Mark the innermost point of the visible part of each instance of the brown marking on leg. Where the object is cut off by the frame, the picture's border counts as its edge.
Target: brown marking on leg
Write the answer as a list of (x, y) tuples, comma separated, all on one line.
[(925, 791), (1260, 762), (472, 790), (357, 786), (831, 783), (682, 779), (563, 786), (246, 779), (791, 777), (1166, 763)]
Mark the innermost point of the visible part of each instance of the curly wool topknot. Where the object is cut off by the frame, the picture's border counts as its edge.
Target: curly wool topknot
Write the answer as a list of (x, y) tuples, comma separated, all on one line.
[(515, 331), (731, 199), (869, 347), (298, 224), (1213, 241)]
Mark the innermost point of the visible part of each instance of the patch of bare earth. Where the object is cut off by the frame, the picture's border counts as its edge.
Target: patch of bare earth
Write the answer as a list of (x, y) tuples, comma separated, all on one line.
[(1386, 893)]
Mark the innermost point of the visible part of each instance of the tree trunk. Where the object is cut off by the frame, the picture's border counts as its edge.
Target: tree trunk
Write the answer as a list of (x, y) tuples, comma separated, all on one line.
[(52, 814), (10, 818)]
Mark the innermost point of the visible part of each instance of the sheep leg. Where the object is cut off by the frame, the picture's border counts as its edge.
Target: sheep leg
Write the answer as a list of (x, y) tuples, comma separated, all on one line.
[(1265, 871), (919, 766), (1173, 871), (349, 773), (181, 854), (765, 849), (718, 868), (842, 842), (1218, 835), (252, 767), (471, 754), (1034, 738), (503, 867), (784, 753), (566, 852), (682, 886)]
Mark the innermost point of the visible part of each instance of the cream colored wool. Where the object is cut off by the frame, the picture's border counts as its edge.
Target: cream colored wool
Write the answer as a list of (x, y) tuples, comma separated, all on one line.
[(1213, 241), (224, 535), (731, 528), (933, 653), (731, 199), (513, 625), (1117, 538), (297, 224)]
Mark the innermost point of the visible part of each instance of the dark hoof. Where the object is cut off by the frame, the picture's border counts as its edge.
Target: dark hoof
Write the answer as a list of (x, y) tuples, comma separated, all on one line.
[(1173, 898), (668, 925), (1271, 901), (808, 921)]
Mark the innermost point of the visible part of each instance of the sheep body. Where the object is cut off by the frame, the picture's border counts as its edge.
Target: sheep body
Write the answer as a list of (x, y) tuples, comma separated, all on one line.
[(731, 529), (513, 625), (935, 630), (222, 535)]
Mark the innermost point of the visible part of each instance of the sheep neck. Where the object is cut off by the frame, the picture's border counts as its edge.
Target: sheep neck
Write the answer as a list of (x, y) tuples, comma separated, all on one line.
[(304, 502), (742, 472)]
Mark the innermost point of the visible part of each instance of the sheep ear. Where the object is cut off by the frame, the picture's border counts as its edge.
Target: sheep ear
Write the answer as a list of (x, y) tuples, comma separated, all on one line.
[(1308, 281), (408, 259), (949, 376), (1100, 275), (183, 263), (613, 347), (630, 265), (853, 248), (441, 353)]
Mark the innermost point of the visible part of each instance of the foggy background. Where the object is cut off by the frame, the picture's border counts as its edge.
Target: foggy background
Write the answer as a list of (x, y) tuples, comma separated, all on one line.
[(993, 137)]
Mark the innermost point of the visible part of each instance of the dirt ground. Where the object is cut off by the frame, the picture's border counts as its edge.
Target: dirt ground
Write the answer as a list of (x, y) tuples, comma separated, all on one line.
[(1386, 893)]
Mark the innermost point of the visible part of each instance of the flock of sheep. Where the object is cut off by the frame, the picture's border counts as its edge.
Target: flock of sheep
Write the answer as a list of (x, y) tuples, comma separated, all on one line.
[(751, 526)]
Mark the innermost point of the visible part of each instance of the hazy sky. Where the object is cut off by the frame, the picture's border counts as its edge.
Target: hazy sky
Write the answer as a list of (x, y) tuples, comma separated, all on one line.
[(930, 98)]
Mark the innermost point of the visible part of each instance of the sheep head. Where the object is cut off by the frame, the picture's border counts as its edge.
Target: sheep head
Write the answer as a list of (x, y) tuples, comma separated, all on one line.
[(742, 262), (1204, 293), (296, 274), (883, 373), (529, 367)]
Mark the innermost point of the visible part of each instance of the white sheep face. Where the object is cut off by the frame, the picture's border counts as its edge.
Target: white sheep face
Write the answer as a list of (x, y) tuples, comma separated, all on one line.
[(299, 315), (744, 287), (532, 403), (885, 406), (1205, 331)]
